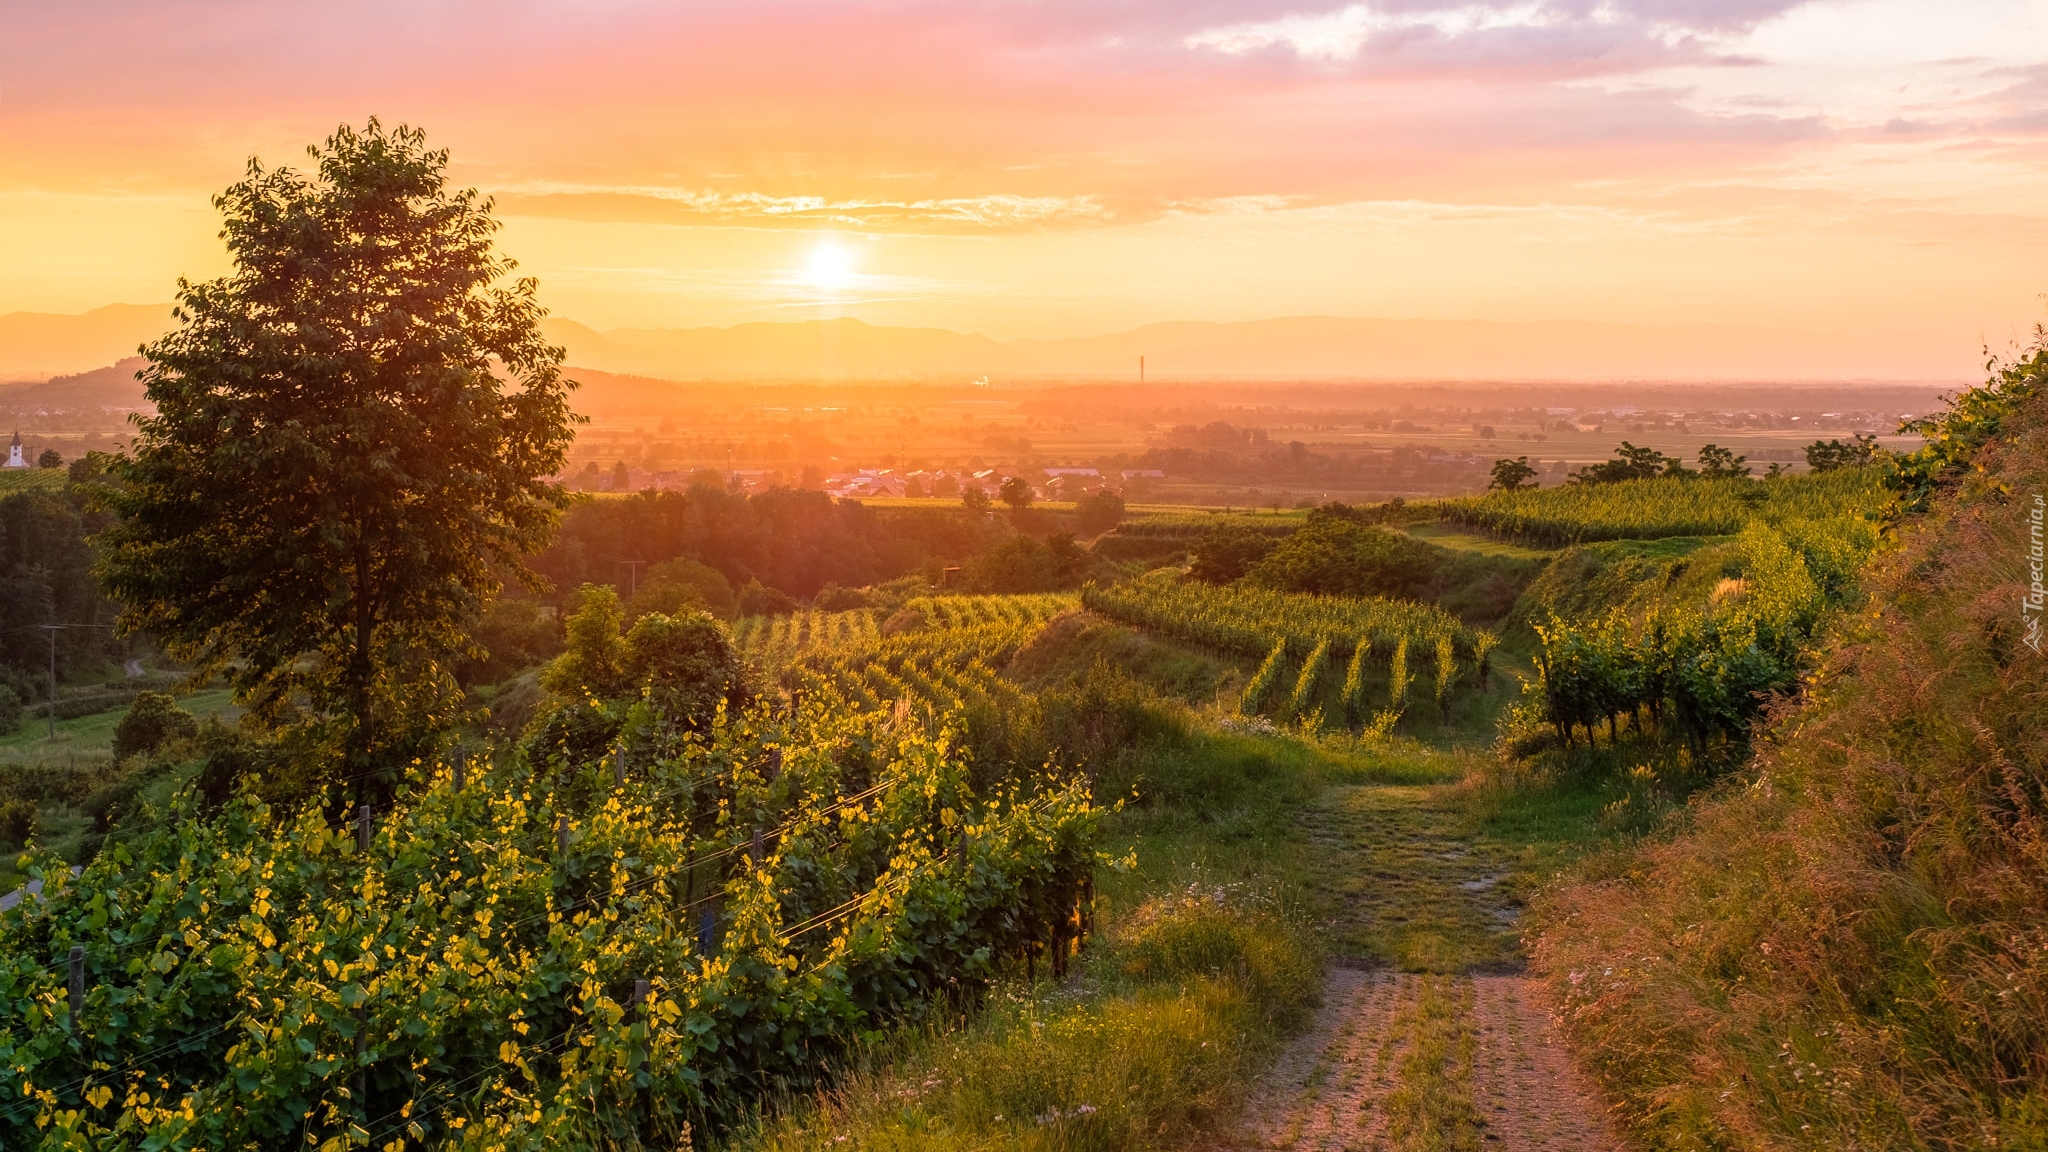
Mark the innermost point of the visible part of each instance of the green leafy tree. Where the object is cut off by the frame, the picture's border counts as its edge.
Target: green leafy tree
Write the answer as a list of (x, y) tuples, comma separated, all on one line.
[(1629, 463), (1828, 455), (974, 499), (1509, 475), (1016, 492), (1718, 463), (594, 660), (352, 439), (50, 458)]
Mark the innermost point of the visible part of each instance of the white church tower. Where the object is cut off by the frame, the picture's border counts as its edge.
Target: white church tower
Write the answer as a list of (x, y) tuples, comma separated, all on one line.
[(14, 459)]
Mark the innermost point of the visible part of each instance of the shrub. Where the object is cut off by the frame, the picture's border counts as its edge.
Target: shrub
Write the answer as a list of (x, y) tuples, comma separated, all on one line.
[(153, 722), (1099, 511), (1028, 564), (1336, 556), (757, 599), (515, 635), (678, 585), (1225, 555), (833, 598), (20, 820)]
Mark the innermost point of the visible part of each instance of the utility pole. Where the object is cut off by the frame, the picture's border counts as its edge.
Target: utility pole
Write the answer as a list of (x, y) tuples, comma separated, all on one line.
[(52, 630), (632, 568), (52, 716), (1141, 369)]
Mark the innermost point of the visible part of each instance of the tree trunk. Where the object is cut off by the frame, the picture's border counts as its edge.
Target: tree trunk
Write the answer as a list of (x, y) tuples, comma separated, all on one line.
[(361, 672)]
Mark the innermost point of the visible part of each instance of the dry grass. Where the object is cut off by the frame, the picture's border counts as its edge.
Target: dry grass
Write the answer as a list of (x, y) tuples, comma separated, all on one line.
[(1847, 946)]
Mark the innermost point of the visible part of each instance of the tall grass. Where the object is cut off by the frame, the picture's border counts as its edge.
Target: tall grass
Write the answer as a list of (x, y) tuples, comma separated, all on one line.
[(1846, 946), (1189, 995)]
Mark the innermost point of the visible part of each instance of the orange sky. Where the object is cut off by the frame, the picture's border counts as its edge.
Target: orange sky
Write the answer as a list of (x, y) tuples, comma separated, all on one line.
[(1872, 167)]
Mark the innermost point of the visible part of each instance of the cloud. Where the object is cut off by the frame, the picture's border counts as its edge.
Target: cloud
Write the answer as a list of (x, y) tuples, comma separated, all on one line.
[(1539, 35), (994, 213)]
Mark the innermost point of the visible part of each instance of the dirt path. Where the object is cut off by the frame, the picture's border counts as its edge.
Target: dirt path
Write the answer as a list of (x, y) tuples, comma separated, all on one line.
[(1381, 1071), (1453, 1054)]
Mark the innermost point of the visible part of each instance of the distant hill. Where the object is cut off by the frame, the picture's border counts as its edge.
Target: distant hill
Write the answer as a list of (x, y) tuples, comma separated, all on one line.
[(39, 345), (816, 349), (99, 399), (1293, 348), (1305, 348)]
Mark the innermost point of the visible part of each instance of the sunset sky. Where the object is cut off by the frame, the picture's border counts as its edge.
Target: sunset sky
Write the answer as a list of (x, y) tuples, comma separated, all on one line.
[(1874, 168)]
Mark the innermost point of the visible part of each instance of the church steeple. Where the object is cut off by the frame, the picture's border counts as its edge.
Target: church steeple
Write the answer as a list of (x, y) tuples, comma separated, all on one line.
[(14, 459)]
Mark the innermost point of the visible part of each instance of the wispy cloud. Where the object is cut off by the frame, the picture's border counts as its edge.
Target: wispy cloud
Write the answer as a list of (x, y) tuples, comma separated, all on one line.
[(1341, 34), (648, 205)]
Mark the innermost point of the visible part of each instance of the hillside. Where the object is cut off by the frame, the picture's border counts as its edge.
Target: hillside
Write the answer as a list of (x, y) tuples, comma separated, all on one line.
[(1843, 946)]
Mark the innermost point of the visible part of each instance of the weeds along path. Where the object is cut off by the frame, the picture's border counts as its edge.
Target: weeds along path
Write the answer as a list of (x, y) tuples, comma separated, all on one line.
[(1428, 1039)]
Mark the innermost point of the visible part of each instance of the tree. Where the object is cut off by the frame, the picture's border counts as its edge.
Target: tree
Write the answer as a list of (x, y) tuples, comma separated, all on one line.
[(1828, 455), (1509, 475), (352, 439), (1099, 511), (1629, 463), (51, 458), (974, 499), (1718, 463), (1016, 492)]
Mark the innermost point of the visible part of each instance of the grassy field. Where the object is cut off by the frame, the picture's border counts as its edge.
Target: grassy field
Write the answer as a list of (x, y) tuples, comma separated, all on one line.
[(1445, 536), (94, 734)]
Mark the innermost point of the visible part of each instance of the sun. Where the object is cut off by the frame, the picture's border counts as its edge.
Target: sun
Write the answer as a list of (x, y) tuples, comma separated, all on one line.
[(830, 268)]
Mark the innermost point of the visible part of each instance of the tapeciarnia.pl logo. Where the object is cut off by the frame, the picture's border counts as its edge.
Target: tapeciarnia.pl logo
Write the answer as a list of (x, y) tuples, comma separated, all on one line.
[(2036, 599)]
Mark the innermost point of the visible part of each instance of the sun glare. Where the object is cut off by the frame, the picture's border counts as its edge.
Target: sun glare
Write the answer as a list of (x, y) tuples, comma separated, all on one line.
[(830, 268)]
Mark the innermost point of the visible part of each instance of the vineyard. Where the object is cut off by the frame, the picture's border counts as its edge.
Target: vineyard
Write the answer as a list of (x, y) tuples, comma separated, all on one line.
[(615, 956), (1190, 525), (14, 480), (1666, 506), (772, 643), (1703, 671), (1322, 633)]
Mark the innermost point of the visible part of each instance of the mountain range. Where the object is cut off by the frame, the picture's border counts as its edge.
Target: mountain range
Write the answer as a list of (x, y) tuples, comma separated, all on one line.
[(36, 346)]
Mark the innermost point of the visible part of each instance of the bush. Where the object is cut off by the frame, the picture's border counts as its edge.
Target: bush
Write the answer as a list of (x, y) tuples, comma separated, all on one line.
[(1336, 556), (1099, 511), (19, 821), (153, 722), (675, 585), (833, 598), (1224, 556), (1028, 564), (515, 635), (757, 599)]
